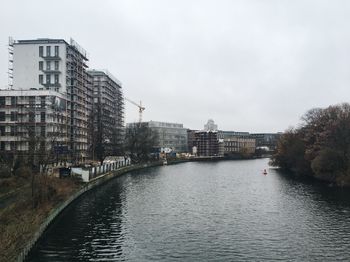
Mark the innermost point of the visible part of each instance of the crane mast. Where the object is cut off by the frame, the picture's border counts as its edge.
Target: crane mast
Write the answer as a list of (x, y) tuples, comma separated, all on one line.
[(140, 106)]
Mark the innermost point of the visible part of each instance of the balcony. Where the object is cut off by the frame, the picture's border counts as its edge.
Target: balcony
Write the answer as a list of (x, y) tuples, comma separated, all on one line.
[(52, 84), (56, 57), (50, 71)]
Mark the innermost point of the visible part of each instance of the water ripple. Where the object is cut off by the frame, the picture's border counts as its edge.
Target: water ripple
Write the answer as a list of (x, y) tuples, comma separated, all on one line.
[(224, 211)]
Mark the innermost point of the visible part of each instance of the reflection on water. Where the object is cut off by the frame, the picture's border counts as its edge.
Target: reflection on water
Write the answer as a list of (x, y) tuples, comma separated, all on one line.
[(203, 212)]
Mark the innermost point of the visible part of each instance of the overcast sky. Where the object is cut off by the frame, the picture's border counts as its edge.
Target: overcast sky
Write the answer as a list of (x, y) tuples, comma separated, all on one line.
[(253, 66)]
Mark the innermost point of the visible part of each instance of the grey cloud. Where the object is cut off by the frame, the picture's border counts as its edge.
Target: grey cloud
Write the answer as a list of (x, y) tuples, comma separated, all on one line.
[(250, 65)]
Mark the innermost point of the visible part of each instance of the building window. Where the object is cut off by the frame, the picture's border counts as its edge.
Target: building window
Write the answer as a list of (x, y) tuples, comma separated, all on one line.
[(56, 50), (41, 65), (48, 65), (2, 130), (13, 145), (41, 51), (42, 117), (56, 65), (13, 100), (31, 117), (42, 101), (2, 145), (2, 116), (2, 101), (41, 79), (56, 79), (31, 101), (42, 130), (13, 130), (48, 51), (13, 116), (48, 79)]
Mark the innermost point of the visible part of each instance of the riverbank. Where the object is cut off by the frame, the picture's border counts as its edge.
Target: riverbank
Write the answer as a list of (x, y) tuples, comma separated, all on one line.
[(22, 213), (331, 181), (22, 224)]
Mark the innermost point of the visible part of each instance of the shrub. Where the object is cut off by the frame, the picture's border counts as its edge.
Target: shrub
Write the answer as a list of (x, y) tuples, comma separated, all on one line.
[(5, 171), (23, 171)]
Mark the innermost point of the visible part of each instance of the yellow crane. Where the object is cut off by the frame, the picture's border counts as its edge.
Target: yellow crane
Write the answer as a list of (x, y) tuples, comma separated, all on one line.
[(140, 106)]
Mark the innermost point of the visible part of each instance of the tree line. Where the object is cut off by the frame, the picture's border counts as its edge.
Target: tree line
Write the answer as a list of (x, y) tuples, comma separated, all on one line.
[(319, 147)]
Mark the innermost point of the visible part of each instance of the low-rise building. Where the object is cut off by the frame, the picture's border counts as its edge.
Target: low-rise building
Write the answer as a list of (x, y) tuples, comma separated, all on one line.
[(228, 134), (168, 135), (239, 145), (266, 139)]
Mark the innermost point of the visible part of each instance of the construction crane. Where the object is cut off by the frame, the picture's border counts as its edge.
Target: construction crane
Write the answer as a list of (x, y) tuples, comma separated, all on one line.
[(141, 108)]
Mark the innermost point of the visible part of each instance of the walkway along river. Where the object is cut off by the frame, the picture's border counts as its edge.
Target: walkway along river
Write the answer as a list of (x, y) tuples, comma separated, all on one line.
[(203, 211)]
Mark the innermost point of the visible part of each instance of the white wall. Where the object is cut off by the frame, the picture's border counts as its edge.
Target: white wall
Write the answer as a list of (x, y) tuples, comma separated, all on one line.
[(26, 66)]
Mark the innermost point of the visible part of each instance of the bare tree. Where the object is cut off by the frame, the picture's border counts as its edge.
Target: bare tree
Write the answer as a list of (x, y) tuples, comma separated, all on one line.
[(139, 142)]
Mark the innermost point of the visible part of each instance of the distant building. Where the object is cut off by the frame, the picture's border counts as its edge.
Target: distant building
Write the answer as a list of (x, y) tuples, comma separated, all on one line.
[(266, 139), (230, 134), (221, 144), (210, 126), (108, 112), (239, 145), (207, 143), (237, 142), (191, 140), (168, 135)]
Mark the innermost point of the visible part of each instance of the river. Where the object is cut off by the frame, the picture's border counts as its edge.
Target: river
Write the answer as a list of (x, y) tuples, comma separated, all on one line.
[(203, 211)]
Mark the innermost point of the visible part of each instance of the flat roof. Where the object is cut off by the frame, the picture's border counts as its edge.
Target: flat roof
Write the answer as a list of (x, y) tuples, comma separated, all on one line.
[(99, 72), (30, 92), (41, 41)]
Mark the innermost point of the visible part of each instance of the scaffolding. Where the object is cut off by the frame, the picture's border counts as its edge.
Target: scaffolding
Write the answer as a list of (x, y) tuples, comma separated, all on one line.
[(79, 94), (34, 126), (108, 113), (10, 62)]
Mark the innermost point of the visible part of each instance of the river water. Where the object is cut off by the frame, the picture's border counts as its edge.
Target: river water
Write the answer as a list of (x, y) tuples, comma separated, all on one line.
[(203, 211)]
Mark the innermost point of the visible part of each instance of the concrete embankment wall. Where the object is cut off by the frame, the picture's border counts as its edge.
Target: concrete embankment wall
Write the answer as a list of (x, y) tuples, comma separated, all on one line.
[(88, 186)]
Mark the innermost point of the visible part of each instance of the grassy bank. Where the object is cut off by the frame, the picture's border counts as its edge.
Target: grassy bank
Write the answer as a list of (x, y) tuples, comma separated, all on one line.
[(22, 210)]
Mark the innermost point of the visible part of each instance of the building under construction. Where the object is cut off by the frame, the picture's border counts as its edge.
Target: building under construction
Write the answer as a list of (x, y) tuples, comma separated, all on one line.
[(206, 143), (108, 114), (34, 123), (39, 66)]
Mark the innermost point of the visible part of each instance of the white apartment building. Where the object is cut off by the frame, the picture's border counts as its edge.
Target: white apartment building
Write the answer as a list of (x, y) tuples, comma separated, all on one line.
[(57, 67), (40, 64)]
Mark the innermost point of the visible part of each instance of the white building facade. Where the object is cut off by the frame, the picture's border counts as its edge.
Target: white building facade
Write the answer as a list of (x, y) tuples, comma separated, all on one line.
[(55, 68)]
